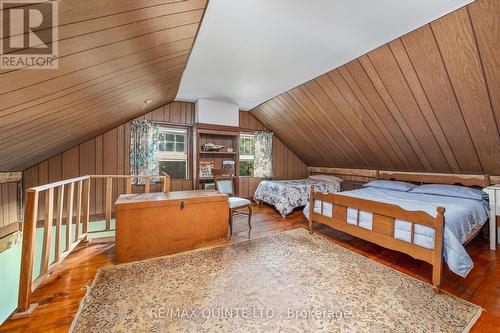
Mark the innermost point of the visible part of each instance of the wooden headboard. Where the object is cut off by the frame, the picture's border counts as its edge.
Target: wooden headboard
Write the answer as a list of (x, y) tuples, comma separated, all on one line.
[(413, 177), (439, 178)]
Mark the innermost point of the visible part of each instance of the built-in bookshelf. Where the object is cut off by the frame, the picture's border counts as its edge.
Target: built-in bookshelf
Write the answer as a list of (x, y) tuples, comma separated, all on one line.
[(226, 136)]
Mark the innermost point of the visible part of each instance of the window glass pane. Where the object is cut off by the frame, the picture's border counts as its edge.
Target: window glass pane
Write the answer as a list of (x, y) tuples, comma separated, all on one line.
[(179, 138), (176, 169), (170, 137), (170, 146), (247, 145), (246, 168), (179, 147), (162, 146)]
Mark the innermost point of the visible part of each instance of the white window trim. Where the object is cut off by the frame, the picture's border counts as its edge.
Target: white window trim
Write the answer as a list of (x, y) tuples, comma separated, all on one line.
[(175, 156), (247, 157)]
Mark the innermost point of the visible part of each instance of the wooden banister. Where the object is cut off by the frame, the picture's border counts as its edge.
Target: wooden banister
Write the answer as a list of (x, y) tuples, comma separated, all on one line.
[(56, 184), (61, 194)]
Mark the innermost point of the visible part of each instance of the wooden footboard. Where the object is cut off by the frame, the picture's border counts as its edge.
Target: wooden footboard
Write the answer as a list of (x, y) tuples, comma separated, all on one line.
[(382, 231)]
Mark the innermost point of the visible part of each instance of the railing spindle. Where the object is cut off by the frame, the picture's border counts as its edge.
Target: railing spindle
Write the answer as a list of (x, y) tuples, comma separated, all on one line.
[(86, 207), (47, 235), (69, 215), (109, 192), (65, 191), (166, 183), (28, 250), (147, 188), (129, 185), (59, 217), (79, 188)]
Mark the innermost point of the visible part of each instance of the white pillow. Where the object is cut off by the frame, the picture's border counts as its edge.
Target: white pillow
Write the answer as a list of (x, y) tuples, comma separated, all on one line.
[(326, 178)]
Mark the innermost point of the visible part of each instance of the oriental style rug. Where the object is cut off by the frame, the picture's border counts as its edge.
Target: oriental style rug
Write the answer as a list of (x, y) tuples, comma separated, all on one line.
[(286, 282)]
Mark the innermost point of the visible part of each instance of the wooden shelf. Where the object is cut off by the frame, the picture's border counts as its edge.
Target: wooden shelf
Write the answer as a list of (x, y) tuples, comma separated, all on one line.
[(218, 152), (225, 136)]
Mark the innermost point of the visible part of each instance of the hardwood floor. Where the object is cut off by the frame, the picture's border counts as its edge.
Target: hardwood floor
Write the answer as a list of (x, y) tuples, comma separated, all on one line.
[(60, 296)]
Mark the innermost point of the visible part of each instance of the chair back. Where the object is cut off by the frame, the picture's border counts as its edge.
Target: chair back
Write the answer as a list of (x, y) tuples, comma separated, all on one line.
[(224, 185)]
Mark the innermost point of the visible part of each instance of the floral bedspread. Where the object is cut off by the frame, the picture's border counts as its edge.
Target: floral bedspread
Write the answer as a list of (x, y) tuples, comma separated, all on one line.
[(286, 195)]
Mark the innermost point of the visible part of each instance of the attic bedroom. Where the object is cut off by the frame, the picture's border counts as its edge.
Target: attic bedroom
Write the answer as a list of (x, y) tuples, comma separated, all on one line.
[(249, 166)]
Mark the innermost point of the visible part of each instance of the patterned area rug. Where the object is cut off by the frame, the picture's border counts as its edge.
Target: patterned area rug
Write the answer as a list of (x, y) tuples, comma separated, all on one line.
[(287, 282)]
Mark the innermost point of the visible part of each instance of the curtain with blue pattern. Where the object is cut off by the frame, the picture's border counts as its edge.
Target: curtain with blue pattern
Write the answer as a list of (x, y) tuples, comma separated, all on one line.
[(144, 149), (263, 158)]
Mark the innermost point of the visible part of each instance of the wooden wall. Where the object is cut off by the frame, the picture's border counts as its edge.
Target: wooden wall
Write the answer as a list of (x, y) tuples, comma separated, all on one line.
[(286, 164), (109, 154), (10, 188), (113, 55), (8, 207), (428, 101)]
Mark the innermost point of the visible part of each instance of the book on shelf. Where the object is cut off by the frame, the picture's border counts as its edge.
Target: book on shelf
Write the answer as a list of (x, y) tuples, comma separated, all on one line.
[(209, 186), (228, 168), (206, 168), (228, 164)]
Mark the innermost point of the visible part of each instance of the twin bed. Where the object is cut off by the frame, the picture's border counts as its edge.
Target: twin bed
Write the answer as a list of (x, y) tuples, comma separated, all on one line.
[(428, 222), (286, 195)]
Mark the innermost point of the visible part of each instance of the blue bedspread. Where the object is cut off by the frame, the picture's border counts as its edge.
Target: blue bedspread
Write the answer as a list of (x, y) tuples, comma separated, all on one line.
[(462, 218)]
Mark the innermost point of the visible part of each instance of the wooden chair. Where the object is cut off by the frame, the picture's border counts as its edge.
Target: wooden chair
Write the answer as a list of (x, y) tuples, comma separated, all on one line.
[(225, 184)]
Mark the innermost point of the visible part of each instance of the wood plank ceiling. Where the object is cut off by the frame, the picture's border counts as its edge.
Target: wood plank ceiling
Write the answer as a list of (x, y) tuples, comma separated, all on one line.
[(428, 101), (113, 55)]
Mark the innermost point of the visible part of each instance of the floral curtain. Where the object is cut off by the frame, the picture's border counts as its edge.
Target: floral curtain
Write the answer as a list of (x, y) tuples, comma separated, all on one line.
[(263, 158), (144, 149)]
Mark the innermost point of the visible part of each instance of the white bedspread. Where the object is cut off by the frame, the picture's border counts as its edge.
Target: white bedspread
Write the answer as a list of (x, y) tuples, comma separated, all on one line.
[(462, 219)]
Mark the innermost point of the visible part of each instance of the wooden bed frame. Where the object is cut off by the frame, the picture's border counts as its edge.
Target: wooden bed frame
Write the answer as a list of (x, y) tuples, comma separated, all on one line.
[(384, 215)]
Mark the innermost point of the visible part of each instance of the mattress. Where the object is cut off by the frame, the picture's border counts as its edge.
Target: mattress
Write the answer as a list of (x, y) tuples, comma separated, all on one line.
[(463, 217), (286, 195)]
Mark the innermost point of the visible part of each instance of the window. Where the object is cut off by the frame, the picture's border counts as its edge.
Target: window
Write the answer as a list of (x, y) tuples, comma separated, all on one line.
[(247, 150), (172, 152)]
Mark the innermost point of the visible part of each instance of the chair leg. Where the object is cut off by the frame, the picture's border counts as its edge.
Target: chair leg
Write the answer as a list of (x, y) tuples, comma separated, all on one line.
[(230, 222), (250, 216)]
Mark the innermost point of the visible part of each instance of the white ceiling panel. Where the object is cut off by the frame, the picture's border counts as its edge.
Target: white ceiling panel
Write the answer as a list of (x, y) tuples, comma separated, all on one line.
[(248, 51)]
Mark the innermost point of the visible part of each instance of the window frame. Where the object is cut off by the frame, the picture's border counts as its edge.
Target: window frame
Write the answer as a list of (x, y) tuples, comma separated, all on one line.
[(176, 156), (245, 157)]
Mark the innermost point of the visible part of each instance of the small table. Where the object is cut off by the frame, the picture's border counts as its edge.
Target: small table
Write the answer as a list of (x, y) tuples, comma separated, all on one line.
[(156, 224), (494, 197)]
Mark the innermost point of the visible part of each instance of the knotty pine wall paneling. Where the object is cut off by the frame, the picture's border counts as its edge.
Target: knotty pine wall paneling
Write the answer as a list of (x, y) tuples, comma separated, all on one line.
[(427, 101), (108, 153), (286, 164), (113, 55), (8, 207)]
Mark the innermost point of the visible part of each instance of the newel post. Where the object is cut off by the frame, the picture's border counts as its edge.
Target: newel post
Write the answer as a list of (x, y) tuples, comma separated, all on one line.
[(28, 251)]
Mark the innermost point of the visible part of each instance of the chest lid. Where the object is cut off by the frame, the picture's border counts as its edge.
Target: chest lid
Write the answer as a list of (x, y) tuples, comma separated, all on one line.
[(157, 199)]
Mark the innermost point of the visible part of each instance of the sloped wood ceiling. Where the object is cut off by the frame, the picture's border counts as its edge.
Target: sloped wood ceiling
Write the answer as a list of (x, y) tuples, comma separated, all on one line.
[(428, 101), (113, 55)]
